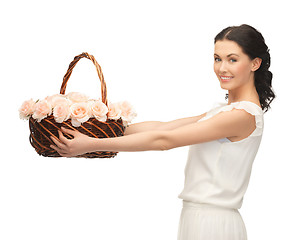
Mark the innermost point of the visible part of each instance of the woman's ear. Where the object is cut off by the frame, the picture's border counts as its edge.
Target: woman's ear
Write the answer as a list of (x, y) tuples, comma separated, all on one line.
[(256, 63)]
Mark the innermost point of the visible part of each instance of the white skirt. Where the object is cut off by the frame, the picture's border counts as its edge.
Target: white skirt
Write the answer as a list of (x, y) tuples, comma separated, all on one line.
[(209, 222)]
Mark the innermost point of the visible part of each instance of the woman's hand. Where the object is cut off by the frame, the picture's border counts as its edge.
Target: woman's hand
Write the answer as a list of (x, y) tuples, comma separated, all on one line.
[(79, 145)]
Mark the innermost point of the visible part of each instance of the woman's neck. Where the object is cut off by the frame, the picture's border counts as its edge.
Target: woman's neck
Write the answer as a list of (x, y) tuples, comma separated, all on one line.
[(247, 93)]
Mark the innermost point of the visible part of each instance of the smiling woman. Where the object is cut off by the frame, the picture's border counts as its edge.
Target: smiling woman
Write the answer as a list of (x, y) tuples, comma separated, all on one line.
[(235, 70), (249, 43), (223, 141)]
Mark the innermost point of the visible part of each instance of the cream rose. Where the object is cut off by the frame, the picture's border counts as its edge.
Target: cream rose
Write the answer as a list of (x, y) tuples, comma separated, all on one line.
[(57, 99), (76, 97), (127, 112), (80, 113), (42, 109), (99, 110), (27, 108), (114, 111), (61, 112)]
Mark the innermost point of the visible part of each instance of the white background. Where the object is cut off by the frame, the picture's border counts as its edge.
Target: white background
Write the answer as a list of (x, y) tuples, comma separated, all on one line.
[(158, 55)]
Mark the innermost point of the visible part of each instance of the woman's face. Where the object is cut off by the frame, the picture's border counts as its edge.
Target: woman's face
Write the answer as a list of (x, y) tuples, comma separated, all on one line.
[(233, 68)]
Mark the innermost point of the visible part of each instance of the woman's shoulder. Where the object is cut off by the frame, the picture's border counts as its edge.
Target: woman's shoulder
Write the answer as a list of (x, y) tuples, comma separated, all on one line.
[(250, 107)]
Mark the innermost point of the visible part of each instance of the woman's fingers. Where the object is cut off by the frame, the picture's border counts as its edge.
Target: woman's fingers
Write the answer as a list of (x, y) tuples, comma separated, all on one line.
[(58, 142), (59, 150), (62, 138), (59, 146), (69, 131)]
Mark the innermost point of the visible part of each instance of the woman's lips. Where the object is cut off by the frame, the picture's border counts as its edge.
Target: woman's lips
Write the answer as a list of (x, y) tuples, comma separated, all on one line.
[(225, 78)]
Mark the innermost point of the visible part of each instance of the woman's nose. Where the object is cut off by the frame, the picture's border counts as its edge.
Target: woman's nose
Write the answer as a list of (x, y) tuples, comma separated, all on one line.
[(223, 67)]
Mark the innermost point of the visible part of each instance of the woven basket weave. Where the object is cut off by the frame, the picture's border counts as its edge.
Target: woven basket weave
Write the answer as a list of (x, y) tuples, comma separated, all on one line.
[(40, 132)]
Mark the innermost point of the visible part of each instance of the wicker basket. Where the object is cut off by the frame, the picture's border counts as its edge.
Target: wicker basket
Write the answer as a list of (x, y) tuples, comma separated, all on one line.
[(40, 132)]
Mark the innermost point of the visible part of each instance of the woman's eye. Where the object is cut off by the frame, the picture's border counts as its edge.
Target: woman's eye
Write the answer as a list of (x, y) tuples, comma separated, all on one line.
[(217, 59), (232, 60)]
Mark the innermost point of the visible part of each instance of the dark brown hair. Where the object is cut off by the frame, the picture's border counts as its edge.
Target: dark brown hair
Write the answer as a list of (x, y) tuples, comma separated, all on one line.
[(253, 44)]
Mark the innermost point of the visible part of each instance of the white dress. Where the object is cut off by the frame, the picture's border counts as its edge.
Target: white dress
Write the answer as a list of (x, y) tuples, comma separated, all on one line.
[(216, 178)]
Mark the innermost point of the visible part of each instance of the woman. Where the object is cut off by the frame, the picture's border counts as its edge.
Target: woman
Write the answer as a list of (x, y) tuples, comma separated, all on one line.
[(223, 142)]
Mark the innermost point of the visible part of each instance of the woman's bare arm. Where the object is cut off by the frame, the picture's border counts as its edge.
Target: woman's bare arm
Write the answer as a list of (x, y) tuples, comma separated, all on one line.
[(235, 123), (156, 125)]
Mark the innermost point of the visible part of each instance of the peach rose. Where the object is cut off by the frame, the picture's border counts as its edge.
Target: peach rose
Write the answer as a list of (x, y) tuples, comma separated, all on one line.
[(80, 113), (127, 112), (42, 109), (61, 112), (99, 110), (114, 111), (27, 108), (57, 99), (76, 97)]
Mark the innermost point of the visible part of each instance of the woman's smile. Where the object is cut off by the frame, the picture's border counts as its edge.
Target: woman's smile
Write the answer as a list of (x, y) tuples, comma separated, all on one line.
[(225, 78)]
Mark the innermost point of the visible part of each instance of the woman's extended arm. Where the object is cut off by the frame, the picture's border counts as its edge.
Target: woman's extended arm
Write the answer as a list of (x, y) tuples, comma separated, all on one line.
[(226, 124), (155, 125)]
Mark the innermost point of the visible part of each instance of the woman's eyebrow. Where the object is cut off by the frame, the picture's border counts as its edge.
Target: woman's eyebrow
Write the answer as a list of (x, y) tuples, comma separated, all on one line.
[(229, 55), (232, 54)]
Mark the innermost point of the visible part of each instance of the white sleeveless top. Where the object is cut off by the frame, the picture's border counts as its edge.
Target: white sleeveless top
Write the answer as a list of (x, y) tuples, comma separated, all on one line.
[(218, 172)]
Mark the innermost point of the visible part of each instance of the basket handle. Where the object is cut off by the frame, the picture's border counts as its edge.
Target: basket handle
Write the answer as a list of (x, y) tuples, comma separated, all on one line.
[(99, 72)]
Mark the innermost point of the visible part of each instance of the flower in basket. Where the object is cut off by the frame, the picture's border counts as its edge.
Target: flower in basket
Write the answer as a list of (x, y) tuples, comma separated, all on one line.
[(57, 99), (27, 109), (42, 109), (98, 110), (127, 112), (80, 113), (62, 111), (114, 111), (77, 97)]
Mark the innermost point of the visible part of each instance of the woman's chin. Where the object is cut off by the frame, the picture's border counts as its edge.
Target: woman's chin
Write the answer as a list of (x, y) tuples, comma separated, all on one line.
[(225, 87)]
